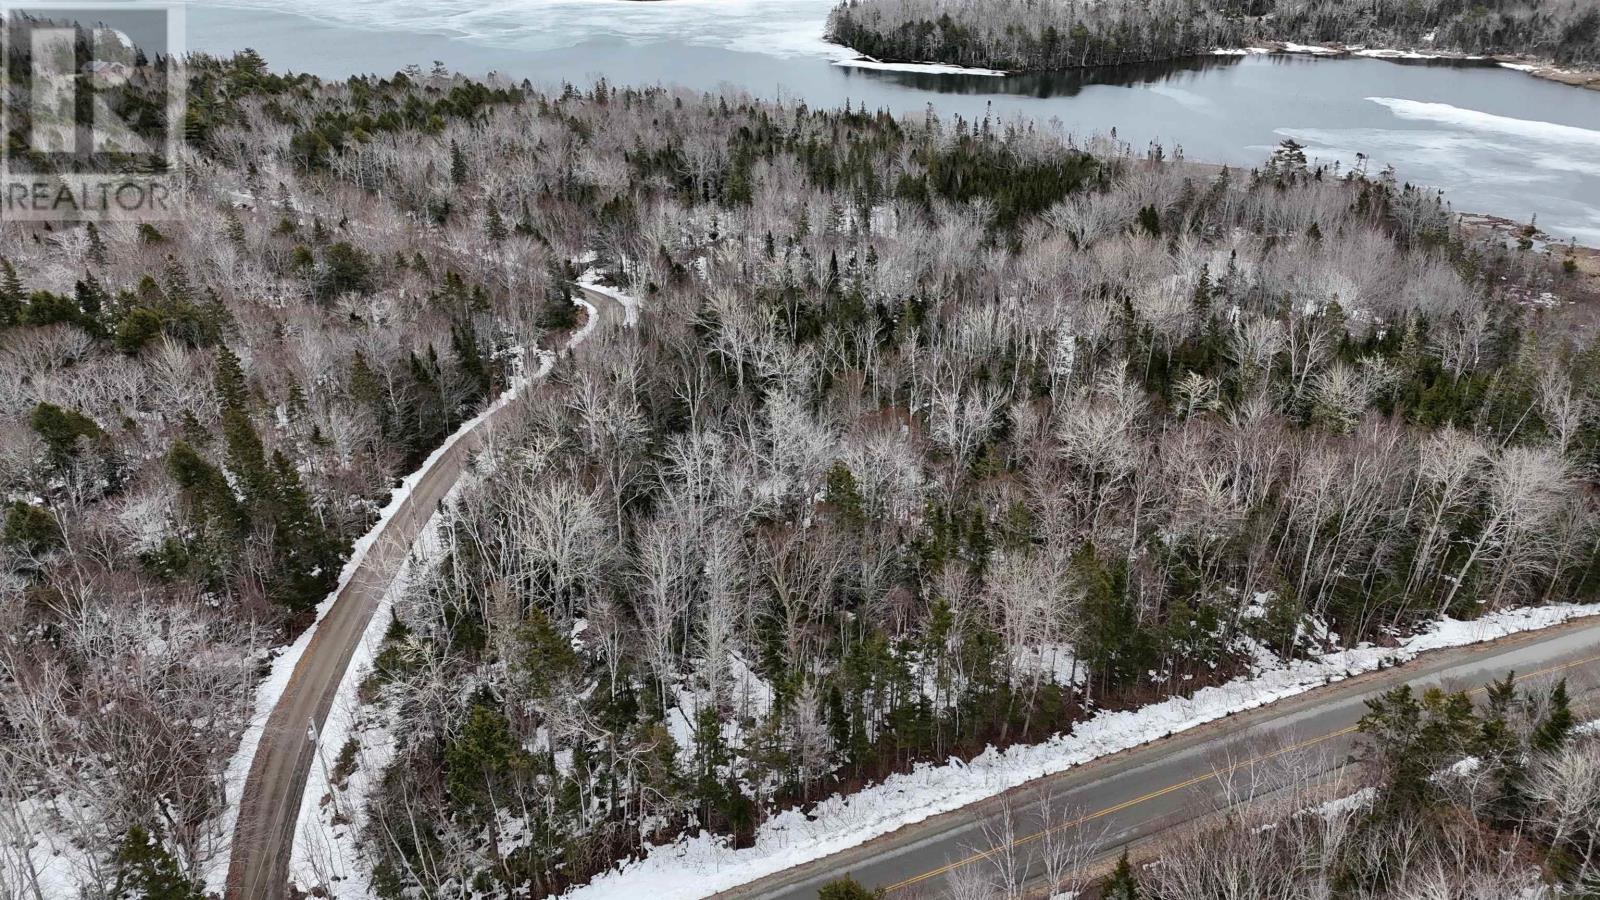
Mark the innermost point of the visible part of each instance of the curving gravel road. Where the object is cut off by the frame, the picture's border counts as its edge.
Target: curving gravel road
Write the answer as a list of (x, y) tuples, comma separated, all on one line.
[(269, 807)]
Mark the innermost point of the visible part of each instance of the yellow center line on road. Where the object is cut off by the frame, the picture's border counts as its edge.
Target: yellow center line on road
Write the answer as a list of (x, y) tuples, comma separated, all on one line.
[(1190, 782)]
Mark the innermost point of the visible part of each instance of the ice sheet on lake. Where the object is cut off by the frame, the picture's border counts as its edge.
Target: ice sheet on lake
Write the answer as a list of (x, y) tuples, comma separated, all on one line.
[(1474, 120), (784, 28)]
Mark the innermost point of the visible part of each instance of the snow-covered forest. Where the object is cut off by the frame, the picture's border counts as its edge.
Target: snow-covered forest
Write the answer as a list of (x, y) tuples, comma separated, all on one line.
[(932, 435), (1021, 35), (935, 435), (197, 418)]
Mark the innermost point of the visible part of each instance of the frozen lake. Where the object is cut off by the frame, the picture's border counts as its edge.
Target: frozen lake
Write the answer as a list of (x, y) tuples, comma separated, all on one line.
[(1497, 141)]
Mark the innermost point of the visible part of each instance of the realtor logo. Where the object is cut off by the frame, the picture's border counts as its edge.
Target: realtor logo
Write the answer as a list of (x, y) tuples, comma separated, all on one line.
[(92, 111)]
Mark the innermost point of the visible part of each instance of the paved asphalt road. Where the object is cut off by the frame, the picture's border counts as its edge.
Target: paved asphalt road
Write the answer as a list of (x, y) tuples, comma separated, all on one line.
[(1126, 799), (269, 808)]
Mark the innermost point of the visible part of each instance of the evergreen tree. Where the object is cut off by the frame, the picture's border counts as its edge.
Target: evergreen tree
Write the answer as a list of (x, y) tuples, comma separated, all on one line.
[(310, 557), (192, 430), (12, 294), (1150, 220), (1123, 884), (233, 228), (844, 496), (546, 660), (146, 870), (91, 299), (138, 327), (229, 381), (205, 488), (558, 312), (32, 529), (469, 359), (178, 290), (1500, 748), (458, 164), (1412, 739), (345, 269), (1115, 648), (246, 458), (1201, 301), (1558, 722), (49, 308), (97, 245), (364, 385), (60, 430), (495, 226), (722, 803), (847, 888), (481, 757)]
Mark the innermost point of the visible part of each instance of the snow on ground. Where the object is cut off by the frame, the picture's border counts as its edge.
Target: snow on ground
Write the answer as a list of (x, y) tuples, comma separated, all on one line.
[(629, 303), (590, 320), (1056, 663), (325, 851), (702, 865), (1288, 47), (215, 872), (1319, 50), (1385, 53), (45, 849), (750, 695), (1349, 803), (926, 68), (1312, 49)]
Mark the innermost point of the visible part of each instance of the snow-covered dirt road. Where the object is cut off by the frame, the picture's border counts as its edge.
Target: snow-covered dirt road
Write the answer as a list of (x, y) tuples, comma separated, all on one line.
[(270, 803)]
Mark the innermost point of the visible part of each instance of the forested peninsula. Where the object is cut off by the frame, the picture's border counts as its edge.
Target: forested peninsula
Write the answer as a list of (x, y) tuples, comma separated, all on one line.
[(1022, 35)]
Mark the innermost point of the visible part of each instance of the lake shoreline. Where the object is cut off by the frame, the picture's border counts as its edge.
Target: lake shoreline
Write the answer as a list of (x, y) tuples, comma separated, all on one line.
[(1485, 144), (1587, 78), (863, 61)]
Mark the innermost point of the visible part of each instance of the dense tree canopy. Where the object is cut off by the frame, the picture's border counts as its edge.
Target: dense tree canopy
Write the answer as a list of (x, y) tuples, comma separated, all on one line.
[(197, 418), (936, 435), (929, 435)]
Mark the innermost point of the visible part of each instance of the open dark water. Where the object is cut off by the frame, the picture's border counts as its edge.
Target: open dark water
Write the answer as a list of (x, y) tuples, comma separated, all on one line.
[(1495, 140)]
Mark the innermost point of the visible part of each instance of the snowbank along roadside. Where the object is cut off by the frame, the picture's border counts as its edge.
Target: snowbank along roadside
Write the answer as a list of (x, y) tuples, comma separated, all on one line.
[(326, 853), (703, 865), (271, 688)]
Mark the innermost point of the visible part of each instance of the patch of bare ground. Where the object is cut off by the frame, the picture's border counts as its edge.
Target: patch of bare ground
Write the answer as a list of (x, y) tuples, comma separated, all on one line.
[(1583, 77), (1574, 287)]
